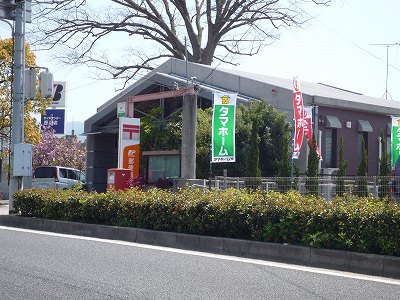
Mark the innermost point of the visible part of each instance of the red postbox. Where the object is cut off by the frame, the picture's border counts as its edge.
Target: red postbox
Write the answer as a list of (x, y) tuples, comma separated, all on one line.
[(118, 179)]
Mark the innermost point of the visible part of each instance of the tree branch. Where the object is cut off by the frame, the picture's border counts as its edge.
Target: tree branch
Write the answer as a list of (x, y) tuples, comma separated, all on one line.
[(234, 27)]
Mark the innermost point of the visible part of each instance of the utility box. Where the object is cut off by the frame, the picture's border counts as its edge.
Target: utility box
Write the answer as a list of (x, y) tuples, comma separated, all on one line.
[(30, 83), (46, 84), (22, 162), (118, 179)]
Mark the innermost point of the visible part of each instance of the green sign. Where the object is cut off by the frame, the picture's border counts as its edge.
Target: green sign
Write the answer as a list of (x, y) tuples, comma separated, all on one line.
[(395, 140), (223, 128), (121, 109)]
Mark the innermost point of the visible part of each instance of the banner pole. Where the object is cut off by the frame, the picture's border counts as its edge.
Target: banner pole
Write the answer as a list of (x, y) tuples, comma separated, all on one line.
[(210, 166), (291, 156)]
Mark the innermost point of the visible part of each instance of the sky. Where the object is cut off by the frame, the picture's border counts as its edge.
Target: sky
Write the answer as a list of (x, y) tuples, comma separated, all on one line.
[(335, 48)]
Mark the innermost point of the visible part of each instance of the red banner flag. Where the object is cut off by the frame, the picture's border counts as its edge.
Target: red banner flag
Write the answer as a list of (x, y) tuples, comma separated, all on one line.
[(308, 128), (308, 123), (298, 110)]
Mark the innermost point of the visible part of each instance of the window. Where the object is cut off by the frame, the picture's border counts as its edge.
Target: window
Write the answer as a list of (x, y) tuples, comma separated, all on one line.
[(389, 145), (45, 172), (82, 177), (63, 173), (330, 147), (164, 166), (72, 174)]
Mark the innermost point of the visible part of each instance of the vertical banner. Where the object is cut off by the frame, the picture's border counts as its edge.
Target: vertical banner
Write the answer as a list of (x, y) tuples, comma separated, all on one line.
[(223, 128), (395, 140), (308, 123), (298, 111), (308, 130), (129, 144)]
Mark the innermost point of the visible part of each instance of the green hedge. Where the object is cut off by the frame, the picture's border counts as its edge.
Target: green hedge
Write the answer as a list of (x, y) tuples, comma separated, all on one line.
[(347, 223)]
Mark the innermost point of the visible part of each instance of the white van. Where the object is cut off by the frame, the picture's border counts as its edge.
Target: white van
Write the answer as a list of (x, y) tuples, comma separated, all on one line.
[(56, 177)]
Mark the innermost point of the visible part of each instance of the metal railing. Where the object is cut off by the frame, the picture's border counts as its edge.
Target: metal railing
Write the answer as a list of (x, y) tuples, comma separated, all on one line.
[(326, 187)]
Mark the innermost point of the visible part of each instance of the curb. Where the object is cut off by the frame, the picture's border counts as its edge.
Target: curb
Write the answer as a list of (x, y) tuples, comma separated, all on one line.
[(369, 264)]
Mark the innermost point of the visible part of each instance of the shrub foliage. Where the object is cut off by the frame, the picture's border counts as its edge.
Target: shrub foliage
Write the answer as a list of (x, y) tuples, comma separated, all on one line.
[(347, 223)]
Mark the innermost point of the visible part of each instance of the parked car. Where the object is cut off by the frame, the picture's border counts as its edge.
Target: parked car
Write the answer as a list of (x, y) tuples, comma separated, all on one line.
[(56, 177)]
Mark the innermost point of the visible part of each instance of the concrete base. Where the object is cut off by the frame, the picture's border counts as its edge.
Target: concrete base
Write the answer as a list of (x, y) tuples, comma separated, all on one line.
[(371, 264)]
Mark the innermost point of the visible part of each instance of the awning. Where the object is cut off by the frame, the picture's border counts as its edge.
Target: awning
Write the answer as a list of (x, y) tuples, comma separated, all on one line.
[(333, 122), (364, 126)]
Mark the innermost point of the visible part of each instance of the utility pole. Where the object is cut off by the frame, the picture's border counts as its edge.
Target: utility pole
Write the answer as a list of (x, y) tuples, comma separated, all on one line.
[(189, 124), (189, 128), (385, 95), (18, 93)]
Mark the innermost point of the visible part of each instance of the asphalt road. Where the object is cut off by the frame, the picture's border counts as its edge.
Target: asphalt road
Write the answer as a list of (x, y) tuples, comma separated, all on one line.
[(40, 265)]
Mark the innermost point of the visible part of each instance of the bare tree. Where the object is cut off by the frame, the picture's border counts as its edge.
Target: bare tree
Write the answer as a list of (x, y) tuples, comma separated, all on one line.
[(215, 30)]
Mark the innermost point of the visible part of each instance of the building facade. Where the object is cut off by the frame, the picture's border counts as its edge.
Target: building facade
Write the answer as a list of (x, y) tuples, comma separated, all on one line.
[(336, 113)]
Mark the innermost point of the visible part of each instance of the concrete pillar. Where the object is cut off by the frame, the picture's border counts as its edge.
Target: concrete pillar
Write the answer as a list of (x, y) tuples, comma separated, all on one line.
[(189, 123)]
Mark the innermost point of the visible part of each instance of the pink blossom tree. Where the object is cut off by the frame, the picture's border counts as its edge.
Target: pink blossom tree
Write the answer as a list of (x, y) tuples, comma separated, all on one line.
[(54, 151)]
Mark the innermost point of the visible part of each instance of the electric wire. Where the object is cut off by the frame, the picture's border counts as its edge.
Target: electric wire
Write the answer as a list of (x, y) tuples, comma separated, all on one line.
[(345, 38)]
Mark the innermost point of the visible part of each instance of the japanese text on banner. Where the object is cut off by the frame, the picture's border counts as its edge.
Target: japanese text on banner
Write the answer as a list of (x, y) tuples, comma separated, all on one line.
[(395, 140), (299, 122), (223, 128)]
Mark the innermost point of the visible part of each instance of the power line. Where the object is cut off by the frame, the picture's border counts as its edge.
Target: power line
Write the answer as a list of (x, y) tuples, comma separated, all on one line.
[(346, 39)]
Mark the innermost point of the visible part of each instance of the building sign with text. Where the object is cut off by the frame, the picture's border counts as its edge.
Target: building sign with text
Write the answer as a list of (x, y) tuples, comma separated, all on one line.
[(129, 144), (54, 118), (59, 94)]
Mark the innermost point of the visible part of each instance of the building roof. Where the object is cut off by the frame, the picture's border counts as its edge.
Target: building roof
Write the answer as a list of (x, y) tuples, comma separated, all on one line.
[(321, 90), (276, 91)]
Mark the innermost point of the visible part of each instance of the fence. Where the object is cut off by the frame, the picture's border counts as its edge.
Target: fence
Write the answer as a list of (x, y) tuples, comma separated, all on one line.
[(326, 187)]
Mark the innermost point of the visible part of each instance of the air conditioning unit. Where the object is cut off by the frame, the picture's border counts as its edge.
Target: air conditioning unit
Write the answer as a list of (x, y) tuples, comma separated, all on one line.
[(329, 171)]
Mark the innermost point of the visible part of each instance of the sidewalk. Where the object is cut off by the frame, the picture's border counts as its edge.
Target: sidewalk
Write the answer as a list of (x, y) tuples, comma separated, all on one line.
[(4, 207)]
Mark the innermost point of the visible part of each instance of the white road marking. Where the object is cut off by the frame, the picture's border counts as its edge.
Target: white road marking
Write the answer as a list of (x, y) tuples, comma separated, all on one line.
[(219, 256)]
